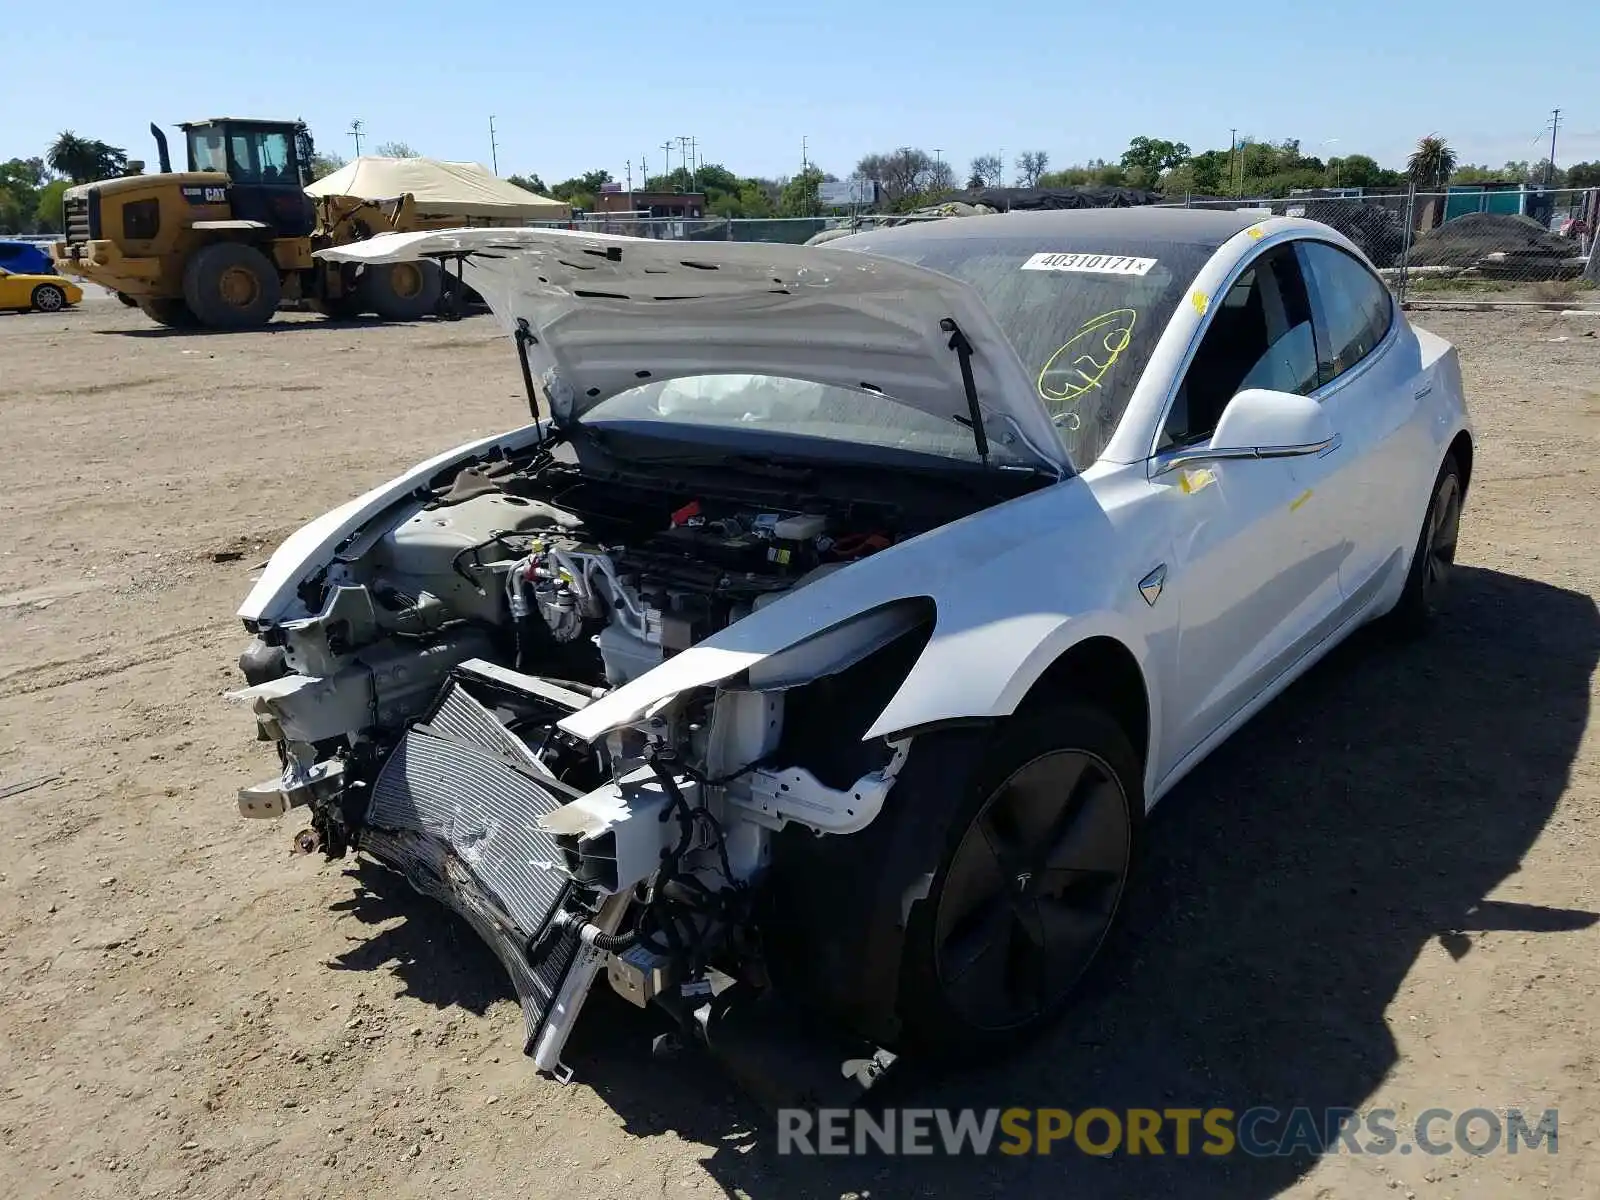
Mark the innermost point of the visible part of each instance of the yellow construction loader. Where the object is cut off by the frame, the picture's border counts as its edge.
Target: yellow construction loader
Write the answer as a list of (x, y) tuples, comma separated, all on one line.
[(224, 243)]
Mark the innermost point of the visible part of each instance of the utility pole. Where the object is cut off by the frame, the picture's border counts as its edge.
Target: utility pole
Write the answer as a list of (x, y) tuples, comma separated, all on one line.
[(667, 147), (805, 164), (1550, 167), (1233, 145), (1001, 181), (686, 152), (355, 132), (494, 149)]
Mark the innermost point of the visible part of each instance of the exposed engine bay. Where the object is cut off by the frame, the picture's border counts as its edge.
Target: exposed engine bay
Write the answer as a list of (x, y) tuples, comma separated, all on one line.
[(415, 698)]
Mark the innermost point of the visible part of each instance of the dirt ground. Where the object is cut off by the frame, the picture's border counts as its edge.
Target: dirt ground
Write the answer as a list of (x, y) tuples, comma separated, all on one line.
[(1381, 894)]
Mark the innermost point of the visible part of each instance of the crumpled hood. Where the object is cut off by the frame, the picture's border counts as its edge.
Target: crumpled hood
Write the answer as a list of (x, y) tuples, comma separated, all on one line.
[(607, 312)]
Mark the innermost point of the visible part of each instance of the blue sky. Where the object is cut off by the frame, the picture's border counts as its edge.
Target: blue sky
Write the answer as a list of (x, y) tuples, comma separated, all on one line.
[(575, 87)]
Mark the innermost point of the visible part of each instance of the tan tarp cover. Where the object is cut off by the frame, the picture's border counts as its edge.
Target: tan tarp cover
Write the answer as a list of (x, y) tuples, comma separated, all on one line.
[(458, 189)]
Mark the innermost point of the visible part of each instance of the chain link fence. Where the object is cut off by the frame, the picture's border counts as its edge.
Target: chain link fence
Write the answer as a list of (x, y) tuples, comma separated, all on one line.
[(1524, 246), (1480, 246)]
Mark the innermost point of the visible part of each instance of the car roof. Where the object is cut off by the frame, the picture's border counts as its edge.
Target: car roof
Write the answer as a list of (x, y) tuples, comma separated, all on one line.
[(1192, 226)]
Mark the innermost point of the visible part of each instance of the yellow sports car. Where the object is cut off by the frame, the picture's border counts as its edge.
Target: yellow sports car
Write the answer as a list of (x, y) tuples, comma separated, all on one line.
[(46, 293)]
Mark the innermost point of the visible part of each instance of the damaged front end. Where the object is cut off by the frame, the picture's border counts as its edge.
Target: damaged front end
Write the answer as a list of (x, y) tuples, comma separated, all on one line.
[(640, 853)]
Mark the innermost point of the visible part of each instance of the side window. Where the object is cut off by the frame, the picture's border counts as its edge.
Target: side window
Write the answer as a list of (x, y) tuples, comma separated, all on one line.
[(1259, 336), (274, 153), (244, 168), (1354, 309)]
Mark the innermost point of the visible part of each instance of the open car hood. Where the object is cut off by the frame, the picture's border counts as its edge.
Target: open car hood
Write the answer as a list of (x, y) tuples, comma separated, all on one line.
[(607, 312)]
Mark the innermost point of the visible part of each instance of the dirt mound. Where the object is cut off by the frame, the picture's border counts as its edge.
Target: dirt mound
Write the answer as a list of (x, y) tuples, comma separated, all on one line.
[(1466, 240)]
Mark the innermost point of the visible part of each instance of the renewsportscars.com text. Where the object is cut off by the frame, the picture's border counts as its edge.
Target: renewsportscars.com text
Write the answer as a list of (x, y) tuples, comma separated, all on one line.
[(1213, 1132)]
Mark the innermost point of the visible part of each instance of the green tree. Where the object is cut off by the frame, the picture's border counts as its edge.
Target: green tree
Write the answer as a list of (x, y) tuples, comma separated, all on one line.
[(396, 150), (580, 190), (84, 160), (323, 165), (20, 181), (1361, 170), (47, 213), (1154, 155), (799, 197), (1584, 175), (529, 183), (1431, 164)]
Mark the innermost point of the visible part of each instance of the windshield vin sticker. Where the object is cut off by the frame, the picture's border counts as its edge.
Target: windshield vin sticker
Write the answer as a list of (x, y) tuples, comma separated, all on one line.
[(1095, 264)]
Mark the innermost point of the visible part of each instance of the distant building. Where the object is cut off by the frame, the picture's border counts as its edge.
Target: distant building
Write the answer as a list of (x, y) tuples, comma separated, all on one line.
[(682, 206)]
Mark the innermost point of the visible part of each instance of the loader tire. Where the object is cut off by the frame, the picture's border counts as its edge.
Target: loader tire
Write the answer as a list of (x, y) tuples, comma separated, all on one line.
[(174, 314), (232, 286), (404, 291)]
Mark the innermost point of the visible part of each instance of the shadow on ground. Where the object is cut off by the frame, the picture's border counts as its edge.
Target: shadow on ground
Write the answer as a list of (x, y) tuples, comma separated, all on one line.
[(1290, 884), (317, 325), (433, 954)]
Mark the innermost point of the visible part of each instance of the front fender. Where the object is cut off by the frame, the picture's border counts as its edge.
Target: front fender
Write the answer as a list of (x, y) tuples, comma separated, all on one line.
[(1012, 588), (310, 548)]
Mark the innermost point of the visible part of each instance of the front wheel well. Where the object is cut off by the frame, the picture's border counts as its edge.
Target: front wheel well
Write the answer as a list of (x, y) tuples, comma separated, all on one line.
[(1461, 451), (1103, 672)]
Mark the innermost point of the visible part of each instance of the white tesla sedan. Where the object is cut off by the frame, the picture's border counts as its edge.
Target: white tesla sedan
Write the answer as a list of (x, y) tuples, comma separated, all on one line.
[(823, 641)]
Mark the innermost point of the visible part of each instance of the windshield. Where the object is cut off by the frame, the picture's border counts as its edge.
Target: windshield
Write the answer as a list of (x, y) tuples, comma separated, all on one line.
[(1083, 318), (794, 407)]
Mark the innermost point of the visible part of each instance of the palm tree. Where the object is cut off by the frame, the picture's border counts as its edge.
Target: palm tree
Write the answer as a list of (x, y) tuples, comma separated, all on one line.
[(1432, 163), (83, 160), (72, 156)]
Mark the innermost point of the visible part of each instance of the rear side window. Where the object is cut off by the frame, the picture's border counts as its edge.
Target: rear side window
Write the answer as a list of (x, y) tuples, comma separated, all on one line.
[(1353, 308)]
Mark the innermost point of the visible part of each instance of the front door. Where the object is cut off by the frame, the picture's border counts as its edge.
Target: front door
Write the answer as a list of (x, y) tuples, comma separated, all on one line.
[(1253, 578)]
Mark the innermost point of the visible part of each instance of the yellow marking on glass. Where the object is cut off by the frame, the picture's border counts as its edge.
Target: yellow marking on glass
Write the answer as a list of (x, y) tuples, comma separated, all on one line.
[(1299, 500), (1201, 302), (1256, 232), (1116, 329)]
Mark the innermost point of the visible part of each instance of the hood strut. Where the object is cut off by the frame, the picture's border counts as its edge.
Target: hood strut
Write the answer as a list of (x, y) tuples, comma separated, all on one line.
[(974, 419), (524, 337)]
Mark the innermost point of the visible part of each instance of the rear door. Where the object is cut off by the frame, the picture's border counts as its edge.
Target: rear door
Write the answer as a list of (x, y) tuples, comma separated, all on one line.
[(1369, 377)]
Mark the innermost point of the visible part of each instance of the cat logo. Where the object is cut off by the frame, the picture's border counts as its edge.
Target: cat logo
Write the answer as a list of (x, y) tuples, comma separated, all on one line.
[(205, 195)]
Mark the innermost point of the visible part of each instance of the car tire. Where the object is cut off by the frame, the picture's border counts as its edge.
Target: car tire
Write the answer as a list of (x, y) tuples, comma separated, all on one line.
[(891, 926), (404, 291), (1427, 582), (174, 314), (48, 298), (230, 285)]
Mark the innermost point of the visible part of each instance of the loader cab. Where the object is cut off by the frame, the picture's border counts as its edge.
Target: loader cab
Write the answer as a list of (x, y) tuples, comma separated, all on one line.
[(268, 164)]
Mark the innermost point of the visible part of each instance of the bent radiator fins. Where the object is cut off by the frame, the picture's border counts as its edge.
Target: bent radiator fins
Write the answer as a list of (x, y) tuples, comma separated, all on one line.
[(456, 808)]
